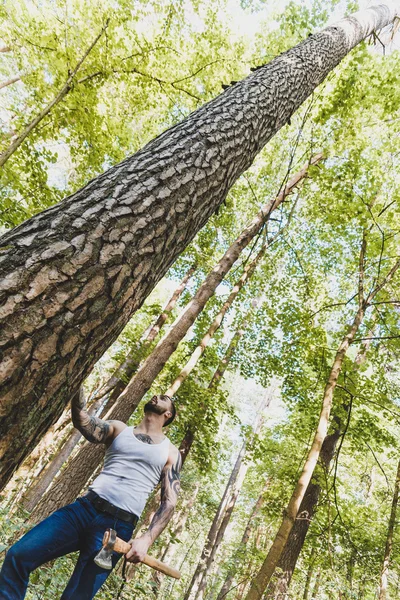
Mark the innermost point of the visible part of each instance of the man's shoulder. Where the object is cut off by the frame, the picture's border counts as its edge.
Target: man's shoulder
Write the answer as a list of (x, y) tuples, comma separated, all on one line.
[(173, 453)]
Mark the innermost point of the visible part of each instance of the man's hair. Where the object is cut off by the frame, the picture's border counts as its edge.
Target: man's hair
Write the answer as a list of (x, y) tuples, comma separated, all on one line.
[(173, 410)]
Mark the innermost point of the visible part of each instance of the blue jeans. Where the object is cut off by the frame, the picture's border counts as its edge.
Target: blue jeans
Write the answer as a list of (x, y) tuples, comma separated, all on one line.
[(77, 526)]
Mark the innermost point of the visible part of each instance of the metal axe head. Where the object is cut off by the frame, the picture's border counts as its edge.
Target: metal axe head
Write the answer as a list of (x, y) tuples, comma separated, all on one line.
[(103, 558)]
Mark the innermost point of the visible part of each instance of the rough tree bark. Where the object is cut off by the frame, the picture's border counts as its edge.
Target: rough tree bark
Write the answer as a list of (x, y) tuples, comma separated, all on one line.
[(73, 275), (242, 546), (263, 577), (74, 477), (383, 583)]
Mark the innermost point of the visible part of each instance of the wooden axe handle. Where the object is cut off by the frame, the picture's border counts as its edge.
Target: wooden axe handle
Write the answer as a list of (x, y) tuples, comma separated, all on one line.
[(124, 547)]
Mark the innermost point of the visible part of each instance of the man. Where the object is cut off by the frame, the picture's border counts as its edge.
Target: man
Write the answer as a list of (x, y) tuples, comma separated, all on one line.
[(136, 460)]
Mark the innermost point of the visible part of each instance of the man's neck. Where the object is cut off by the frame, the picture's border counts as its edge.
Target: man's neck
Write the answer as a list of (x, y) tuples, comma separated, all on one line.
[(151, 424)]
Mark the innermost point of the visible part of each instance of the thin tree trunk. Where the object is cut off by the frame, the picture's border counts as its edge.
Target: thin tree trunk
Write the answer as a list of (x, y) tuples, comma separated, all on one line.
[(221, 530), (216, 324), (121, 376), (242, 546), (310, 571), (262, 579), (74, 477), (383, 584), (67, 87), (73, 275), (278, 589), (212, 533), (9, 82), (288, 560), (222, 517), (317, 585)]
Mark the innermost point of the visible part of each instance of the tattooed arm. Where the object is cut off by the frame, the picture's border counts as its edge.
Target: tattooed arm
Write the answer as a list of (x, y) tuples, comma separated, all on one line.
[(91, 427), (170, 485)]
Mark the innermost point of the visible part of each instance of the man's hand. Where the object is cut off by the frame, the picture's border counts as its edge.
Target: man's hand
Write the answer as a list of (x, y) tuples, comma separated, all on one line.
[(138, 550)]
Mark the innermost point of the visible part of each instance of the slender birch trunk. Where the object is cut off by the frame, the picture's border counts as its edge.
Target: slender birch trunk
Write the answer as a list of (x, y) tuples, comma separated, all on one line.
[(67, 87), (262, 579), (242, 546), (221, 531), (310, 572), (222, 516), (73, 478), (216, 324), (317, 585), (383, 583), (191, 592), (278, 589), (73, 275), (4, 84)]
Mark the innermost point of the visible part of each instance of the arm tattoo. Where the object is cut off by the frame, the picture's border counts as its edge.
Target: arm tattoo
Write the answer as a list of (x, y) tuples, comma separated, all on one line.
[(92, 428), (143, 437), (170, 485)]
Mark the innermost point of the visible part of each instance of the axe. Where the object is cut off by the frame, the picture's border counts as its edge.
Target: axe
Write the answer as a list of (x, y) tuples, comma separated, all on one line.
[(113, 543)]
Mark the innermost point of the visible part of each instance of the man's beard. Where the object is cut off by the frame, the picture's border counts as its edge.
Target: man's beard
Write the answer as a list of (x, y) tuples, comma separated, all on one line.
[(154, 408)]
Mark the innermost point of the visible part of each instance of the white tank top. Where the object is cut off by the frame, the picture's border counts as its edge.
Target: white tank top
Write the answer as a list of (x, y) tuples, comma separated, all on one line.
[(131, 471)]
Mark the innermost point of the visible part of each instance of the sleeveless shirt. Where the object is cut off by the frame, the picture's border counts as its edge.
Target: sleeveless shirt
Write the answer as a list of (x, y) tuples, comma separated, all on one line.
[(131, 471)]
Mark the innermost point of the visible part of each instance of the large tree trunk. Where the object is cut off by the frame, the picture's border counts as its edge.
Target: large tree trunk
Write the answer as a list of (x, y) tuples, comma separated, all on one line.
[(74, 477), (242, 546), (73, 275), (263, 577), (389, 539)]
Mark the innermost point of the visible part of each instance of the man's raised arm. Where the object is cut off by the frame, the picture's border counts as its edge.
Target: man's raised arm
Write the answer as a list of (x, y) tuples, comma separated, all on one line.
[(92, 428), (170, 486)]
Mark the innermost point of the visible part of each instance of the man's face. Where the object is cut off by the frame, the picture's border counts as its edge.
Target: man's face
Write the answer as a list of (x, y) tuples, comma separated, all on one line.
[(159, 405)]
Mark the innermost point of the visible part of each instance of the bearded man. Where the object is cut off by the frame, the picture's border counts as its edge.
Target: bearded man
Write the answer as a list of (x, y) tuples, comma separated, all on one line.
[(136, 459)]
